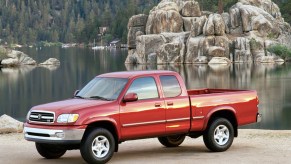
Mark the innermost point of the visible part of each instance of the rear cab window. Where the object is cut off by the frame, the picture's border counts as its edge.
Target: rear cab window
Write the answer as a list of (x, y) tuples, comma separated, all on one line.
[(144, 87), (170, 86)]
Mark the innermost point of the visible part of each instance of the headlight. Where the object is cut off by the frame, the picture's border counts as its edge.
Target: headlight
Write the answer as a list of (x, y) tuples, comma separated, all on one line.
[(67, 118), (27, 116)]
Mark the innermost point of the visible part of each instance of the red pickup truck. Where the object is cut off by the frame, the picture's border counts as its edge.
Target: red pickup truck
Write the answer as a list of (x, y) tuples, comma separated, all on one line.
[(121, 106)]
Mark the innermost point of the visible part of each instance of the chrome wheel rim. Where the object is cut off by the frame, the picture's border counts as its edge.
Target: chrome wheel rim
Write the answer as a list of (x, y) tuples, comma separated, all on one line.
[(221, 135), (100, 146)]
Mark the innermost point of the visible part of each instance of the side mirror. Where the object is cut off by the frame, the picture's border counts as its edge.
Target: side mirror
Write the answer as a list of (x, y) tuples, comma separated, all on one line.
[(76, 92), (130, 97)]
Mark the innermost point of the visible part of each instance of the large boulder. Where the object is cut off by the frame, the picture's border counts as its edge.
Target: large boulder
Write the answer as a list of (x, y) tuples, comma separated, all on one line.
[(146, 45), (224, 42), (195, 49), (216, 51), (266, 5), (175, 37), (214, 26), (17, 58), (131, 57), (257, 46), (171, 53), (10, 62), (235, 20), (242, 52), (219, 60), (226, 19), (136, 26), (191, 9), (262, 25), (164, 18), (10, 125), (194, 24), (51, 61), (137, 20)]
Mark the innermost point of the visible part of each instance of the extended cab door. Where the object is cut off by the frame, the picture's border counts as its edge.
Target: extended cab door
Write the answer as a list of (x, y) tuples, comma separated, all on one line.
[(146, 116), (177, 105)]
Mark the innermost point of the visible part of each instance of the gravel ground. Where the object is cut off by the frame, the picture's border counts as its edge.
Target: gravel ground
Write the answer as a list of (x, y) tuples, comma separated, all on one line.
[(251, 146)]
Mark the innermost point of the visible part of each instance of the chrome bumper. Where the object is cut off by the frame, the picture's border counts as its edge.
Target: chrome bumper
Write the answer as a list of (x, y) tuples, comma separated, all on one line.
[(259, 117), (53, 136)]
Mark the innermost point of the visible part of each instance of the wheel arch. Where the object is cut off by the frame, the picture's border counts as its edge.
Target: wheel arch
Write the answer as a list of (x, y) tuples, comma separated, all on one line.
[(228, 113), (106, 124)]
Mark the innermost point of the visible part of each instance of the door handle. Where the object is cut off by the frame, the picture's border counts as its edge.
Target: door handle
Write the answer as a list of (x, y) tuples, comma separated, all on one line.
[(158, 104), (170, 103)]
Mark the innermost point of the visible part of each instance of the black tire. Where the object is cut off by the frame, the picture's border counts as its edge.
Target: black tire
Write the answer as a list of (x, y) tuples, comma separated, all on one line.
[(219, 135), (104, 140), (50, 151), (172, 141)]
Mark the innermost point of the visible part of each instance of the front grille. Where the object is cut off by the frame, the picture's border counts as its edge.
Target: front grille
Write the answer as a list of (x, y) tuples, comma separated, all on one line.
[(44, 117)]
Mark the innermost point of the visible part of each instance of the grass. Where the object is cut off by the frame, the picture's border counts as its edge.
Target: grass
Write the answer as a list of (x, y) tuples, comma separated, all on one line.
[(280, 50)]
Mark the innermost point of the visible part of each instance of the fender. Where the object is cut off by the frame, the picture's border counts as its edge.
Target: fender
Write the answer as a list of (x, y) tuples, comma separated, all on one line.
[(106, 119), (217, 109)]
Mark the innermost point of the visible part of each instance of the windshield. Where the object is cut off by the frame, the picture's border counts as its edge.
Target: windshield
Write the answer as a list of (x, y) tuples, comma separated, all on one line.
[(103, 88)]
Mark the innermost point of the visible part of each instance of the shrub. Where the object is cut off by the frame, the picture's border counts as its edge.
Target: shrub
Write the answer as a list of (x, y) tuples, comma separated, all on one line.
[(280, 50), (3, 53)]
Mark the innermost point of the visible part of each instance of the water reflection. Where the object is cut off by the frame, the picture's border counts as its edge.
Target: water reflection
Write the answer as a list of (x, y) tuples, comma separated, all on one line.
[(20, 89)]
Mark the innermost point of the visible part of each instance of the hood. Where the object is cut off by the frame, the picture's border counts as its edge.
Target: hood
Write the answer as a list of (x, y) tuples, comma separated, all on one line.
[(70, 105)]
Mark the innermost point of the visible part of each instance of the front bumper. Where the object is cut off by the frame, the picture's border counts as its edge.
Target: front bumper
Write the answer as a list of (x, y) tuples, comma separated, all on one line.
[(259, 117), (73, 136)]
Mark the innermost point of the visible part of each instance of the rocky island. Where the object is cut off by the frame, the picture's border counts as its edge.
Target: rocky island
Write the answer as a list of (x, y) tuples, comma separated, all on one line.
[(177, 31), (14, 58)]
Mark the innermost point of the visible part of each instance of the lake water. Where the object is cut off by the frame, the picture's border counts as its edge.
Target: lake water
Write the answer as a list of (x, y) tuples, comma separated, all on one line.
[(20, 89)]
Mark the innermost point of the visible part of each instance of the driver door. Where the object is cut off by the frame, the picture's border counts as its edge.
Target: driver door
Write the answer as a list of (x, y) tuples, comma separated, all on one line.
[(146, 116)]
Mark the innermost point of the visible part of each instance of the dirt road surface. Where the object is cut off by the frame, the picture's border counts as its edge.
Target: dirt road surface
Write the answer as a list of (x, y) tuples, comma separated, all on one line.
[(252, 146)]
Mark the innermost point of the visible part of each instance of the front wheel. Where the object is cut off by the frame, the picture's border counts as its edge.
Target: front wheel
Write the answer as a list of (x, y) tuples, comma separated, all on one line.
[(50, 151), (172, 141), (219, 135), (98, 146)]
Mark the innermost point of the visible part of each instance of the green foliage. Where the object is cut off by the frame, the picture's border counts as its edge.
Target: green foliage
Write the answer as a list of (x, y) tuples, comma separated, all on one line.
[(280, 50), (49, 44), (212, 5), (29, 21), (3, 53)]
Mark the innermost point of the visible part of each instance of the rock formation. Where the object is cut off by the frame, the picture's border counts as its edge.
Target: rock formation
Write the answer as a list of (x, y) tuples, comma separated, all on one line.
[(176, 31), (10, 125), (11, 58), (51, 61)]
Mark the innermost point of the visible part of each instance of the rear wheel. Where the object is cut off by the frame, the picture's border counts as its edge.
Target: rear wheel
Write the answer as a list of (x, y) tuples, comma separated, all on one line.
[(98, 146), (50, 151), (219, 135), (172, 141)]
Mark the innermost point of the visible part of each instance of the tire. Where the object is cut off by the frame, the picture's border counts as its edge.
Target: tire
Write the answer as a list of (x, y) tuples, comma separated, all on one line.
[(219, 135), (98, 146), (50, 151), (172, 141)]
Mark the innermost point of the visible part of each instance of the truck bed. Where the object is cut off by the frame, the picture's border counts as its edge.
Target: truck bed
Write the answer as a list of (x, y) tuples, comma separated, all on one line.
[(243, 103)]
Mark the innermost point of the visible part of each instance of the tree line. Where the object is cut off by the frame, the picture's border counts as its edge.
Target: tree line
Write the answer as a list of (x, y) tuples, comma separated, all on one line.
[(78, 21)]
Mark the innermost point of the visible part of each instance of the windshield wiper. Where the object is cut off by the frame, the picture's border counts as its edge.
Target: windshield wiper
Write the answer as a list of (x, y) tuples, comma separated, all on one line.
[(100, 98), (79, 97)]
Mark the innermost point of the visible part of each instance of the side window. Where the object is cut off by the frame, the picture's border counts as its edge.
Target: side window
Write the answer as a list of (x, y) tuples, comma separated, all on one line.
[(171, 86), (144, 87)]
